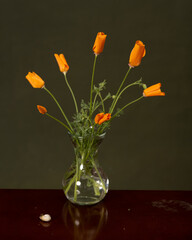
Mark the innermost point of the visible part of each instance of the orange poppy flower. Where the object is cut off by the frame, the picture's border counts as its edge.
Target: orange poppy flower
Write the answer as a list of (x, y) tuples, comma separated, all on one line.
[(99, 43), (101, 117), (35, 80), (41, 109), (154, 90), (98, 117), (63, 66), (137, 53)]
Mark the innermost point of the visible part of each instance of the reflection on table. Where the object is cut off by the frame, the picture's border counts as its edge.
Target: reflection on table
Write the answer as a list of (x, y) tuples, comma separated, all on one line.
[(84, 222)]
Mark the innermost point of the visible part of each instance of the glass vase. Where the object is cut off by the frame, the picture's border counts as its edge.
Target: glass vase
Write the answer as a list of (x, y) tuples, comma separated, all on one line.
[(85, 182)]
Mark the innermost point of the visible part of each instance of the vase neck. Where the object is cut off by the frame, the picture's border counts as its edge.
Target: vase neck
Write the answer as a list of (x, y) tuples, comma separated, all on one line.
[(88, 140), (86, 147)]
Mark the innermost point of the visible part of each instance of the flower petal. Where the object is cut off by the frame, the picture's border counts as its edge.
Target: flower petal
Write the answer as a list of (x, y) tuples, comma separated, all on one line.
[(41, 109), (62, 63), (99, 43), (105, 118), (35, 80), (137, 53), (98, 117), (154, 90)]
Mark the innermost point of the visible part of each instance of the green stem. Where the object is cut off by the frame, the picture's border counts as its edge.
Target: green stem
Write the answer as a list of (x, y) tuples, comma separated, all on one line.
[(102, 128), (77, 173), (93, 106), (126, 106), (89, 145), (119, 88), (96, 189), (65, 74), (99, 104), (58, 121), (92, 79), (117, 98), (70, 183), (102, 102), (99, 176), (81, 163), (59, 107)]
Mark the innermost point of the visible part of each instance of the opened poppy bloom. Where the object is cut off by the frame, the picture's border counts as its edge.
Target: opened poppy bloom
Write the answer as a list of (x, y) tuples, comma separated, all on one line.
[(101, 117), (63, 66), (137, 53), (35, 80), (154, 90), (41, 109), (99, 43)]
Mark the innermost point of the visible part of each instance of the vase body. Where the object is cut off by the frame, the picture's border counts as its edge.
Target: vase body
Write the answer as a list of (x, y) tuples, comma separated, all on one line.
[(85, 182)]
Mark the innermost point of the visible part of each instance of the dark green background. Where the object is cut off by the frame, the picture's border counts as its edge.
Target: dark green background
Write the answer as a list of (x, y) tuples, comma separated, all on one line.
[(149, 147)]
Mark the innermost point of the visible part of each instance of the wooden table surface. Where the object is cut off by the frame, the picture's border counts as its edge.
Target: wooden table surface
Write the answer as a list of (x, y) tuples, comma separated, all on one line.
[(131, 215)]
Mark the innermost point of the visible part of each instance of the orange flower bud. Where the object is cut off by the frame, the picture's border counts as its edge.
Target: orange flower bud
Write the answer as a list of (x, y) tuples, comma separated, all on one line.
[(99, 43), (154, 90), (98, 117), (101, 117), (41, 109), (63, 66), (35, 80), (137, 53)]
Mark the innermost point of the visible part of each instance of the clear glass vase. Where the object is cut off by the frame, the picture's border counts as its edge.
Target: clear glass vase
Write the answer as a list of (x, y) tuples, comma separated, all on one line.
[(85, 183)]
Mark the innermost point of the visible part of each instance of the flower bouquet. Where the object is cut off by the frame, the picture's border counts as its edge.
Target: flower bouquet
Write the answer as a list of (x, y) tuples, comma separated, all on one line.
[(86, 183)]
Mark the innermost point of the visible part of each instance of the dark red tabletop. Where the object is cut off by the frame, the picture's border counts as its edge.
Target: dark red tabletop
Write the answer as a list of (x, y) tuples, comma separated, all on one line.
[(131, 215)]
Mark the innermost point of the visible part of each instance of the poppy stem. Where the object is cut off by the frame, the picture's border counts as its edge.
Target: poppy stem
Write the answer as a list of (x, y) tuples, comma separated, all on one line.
[(65, 75), (102, 102), (99, 176), (58, 121), (117, 97), (119, 89), (93, 106), (92, 79), (94, 109), (126, 106), (70, 183), (77, 173), (58, 107)]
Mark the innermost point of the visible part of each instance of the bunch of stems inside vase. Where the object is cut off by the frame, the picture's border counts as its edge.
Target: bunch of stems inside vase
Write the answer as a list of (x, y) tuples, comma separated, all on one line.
[(85, 170)]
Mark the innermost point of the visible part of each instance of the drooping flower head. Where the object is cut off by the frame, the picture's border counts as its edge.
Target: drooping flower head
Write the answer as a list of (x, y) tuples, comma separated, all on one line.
[(41, 109), (98, 117), (99, 43), (63, 66), (35, 80), (101, 117), (137, 53), (154, 90)]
